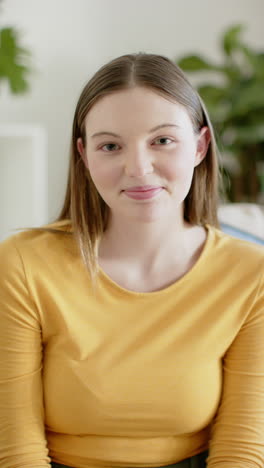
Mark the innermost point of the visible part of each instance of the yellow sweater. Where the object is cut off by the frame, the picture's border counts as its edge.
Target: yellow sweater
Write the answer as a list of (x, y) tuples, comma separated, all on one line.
[(127, 379)]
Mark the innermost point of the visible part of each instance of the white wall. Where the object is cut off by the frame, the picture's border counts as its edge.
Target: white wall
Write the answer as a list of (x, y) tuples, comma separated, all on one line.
[(70, 39)]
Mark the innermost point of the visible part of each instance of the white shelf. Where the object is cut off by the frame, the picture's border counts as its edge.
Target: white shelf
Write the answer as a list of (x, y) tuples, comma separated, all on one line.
[(23, 177)]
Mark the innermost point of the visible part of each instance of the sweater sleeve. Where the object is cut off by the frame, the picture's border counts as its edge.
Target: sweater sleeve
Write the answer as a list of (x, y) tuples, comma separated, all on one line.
[(22, 433), (237, 437)]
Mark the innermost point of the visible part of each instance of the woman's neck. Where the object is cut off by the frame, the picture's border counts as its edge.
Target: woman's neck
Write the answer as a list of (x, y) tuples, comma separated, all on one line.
[(148, 247)]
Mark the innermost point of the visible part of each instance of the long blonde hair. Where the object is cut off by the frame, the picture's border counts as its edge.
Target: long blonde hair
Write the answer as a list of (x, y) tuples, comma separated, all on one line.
[(83, 206)]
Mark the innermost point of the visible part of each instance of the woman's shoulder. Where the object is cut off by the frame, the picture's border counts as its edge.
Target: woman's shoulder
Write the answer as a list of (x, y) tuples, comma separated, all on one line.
[(40, 239), (234, 249)]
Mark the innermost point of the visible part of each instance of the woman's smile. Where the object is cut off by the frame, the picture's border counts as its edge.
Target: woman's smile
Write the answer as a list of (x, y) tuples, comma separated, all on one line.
[(143, 194)]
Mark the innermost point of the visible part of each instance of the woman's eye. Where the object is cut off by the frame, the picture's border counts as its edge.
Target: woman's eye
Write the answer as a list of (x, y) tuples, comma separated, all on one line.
[(163, 141), (109, 147)]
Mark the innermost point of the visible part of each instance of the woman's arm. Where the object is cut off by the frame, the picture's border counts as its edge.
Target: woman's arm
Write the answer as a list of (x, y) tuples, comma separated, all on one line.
[(237, 439), (22, 433)]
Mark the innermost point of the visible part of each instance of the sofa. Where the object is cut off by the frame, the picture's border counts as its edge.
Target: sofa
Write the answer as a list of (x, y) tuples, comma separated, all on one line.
[(243, 220)]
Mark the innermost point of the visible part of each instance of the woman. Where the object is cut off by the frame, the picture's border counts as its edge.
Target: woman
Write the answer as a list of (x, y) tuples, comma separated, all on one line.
[(131, 327)]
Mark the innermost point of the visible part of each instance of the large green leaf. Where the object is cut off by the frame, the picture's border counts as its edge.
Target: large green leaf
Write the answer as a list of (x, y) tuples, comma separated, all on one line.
[(212, 93), (259, 66), (232, 73), (8, 42), (231, 39), (249, 97), (13, 61), (250, 57), (16, 78), (215, 99), (194, 63)]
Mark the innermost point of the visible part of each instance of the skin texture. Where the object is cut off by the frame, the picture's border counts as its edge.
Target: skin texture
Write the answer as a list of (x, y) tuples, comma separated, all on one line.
[(166, 157)]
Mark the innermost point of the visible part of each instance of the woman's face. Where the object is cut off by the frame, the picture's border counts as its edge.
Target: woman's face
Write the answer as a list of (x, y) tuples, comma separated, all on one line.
[(137, 138)]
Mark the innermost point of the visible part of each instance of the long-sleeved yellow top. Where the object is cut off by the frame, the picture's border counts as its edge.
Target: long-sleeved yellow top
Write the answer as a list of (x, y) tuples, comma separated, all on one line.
[(121, 378)]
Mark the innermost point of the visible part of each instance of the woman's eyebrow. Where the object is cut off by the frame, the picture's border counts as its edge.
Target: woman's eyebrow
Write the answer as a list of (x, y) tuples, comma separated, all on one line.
[(118, 136)]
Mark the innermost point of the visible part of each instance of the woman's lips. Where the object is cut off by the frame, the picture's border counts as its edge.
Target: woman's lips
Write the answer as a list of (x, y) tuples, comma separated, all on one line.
[(141, 188), (139, 194)]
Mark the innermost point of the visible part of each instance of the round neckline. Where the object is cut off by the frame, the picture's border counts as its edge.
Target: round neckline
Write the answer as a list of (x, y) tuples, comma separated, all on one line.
[(121, 290)]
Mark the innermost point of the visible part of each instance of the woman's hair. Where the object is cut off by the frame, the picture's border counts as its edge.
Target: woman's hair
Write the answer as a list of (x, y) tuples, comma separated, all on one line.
[(83, 205)]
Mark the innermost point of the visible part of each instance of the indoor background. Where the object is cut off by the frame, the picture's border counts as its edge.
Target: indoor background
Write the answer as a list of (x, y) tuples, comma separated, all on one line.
[(69, 40)]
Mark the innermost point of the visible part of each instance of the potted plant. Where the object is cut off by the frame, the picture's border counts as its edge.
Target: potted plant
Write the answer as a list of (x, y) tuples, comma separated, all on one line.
[(234, 96)]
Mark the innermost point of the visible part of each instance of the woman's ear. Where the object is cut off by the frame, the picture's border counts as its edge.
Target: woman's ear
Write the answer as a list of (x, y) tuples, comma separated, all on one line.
[(203, 141), (81, 151)]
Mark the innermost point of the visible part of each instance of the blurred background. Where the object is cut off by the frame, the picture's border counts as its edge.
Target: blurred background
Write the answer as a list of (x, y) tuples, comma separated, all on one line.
[(49, 49)]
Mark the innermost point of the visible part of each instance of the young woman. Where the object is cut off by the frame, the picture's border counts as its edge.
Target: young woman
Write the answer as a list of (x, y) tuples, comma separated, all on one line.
[(132, 328)]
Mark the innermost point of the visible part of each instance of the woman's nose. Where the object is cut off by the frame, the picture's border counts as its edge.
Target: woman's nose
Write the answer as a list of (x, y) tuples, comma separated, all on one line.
[(138, 162)]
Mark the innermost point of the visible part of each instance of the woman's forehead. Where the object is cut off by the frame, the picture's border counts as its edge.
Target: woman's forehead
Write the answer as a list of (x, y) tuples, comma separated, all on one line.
[(135, 93), (134, 106)]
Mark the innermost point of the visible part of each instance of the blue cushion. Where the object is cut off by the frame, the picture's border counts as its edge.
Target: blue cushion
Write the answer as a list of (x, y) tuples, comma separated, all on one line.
[(236, 232)]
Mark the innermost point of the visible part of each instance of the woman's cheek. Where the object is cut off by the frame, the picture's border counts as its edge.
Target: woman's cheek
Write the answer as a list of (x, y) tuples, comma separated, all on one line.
[(103, 174), (175, 169), (181, 164)]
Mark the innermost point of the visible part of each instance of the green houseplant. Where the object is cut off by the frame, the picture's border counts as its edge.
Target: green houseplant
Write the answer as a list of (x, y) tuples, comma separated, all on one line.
[(14, 60), (234, 96)]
